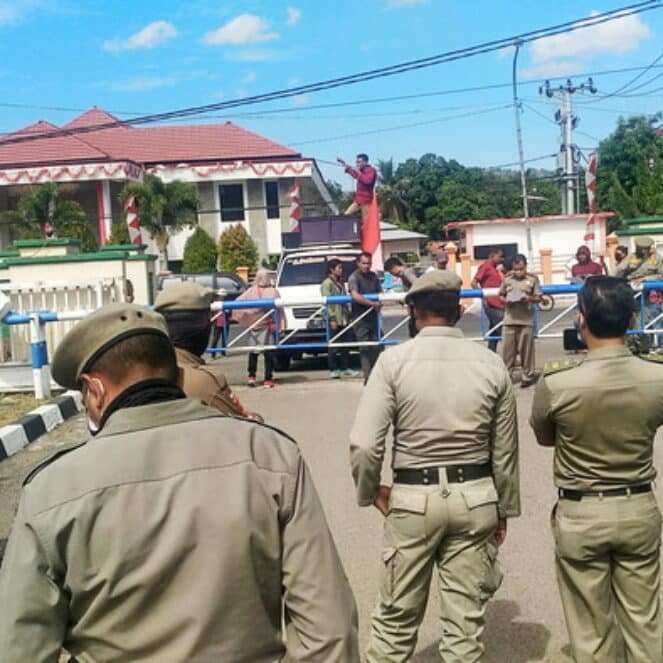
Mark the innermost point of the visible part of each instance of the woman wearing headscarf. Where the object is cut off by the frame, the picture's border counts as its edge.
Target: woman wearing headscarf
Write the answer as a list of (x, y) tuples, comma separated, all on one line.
[(263, 326), (585, 266)]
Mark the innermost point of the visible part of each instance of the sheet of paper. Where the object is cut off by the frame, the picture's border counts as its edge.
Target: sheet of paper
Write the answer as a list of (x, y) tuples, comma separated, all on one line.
[(514, 296)]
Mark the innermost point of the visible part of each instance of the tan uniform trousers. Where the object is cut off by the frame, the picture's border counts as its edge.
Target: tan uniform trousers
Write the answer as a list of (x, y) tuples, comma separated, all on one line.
[(519, 340), (608, 567), (451, 527)]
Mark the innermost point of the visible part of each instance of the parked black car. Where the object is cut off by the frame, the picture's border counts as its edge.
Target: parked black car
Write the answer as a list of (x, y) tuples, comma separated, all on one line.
[(233, 285)]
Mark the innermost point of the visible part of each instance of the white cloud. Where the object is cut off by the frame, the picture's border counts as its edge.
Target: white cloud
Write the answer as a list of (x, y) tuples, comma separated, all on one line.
[(618, 36), (139, 83), (249, 77), (406, 3), (150, 36), (293, 80), (294, 15), (245, 29), (300, 100), (14, 11), (553, 69)]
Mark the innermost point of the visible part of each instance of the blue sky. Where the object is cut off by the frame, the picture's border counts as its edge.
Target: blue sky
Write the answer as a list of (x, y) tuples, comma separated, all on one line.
[(142, 57)]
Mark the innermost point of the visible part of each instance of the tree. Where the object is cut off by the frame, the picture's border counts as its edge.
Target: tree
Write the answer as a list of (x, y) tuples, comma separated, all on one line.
[(390, 193), (199, 253), (340, 198), (629, 178), (237, 249), (164, 208), (44, 203), (119, 234)]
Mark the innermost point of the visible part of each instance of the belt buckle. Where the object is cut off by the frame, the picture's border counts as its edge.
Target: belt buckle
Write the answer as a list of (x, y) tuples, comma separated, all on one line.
[(425, 479)]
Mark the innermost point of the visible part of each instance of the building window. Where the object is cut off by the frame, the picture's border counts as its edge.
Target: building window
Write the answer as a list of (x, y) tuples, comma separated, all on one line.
[(232, 202), (272, 200)]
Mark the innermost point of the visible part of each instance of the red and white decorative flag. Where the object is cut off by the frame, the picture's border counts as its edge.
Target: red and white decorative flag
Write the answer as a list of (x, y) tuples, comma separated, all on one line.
[(590, 184), (131, 208), (371, 237), (295, 208)]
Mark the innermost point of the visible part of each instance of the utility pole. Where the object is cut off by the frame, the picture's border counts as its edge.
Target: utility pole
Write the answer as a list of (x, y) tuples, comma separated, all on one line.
[(521, 158), (567, 121)]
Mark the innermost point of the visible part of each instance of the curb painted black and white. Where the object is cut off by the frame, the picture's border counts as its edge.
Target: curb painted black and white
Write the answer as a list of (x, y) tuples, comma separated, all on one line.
[(37, 422)]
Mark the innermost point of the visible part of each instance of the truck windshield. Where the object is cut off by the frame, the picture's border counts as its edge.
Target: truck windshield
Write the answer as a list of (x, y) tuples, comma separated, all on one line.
[(312, 270)]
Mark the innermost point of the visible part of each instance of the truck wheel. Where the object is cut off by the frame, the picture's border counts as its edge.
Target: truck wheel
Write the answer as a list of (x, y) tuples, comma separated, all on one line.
[(282, 362)]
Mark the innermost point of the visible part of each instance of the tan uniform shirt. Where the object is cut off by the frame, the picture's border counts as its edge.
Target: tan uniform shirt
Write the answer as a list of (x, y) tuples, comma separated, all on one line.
[(450, 402), (603, 416), (208, 384), (649, 269), (175, 534), (621, 268), (520, 313)]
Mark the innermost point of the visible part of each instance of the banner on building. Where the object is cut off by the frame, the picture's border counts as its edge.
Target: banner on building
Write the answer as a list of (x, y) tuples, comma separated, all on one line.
[(131, 208), (295, 212)]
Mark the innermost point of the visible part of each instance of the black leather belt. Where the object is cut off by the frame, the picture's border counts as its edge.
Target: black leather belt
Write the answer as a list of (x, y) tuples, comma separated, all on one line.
[(577, 495), (431, 475)]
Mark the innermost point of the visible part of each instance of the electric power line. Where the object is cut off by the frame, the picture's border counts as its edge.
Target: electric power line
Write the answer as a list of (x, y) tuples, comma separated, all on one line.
[(412, 65), (355, 102), (397, 127), (627, 85)]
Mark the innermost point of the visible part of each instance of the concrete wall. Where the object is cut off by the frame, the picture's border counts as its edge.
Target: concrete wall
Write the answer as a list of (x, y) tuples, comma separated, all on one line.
[(266, 233), (254, 196), (209, 218), (390, 248), (562, 236), (140, 272)]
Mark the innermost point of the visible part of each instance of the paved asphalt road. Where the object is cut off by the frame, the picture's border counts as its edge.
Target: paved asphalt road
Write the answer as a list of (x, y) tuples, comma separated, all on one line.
[(525, 621)]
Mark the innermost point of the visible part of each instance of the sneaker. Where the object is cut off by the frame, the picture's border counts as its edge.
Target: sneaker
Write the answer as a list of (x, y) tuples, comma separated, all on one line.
[(270, 384), (251, 382), (335, 375), (349, 373)]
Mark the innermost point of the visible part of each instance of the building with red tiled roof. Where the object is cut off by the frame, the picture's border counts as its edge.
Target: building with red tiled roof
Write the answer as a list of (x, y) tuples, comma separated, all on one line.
[(241, 177)]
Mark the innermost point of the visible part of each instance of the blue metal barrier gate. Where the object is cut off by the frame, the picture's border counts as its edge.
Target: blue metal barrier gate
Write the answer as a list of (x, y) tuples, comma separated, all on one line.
[(650, 323)]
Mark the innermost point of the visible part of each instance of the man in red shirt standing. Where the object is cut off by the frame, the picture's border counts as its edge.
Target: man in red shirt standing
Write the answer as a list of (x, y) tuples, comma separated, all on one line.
[(489, 275), (366, 177)]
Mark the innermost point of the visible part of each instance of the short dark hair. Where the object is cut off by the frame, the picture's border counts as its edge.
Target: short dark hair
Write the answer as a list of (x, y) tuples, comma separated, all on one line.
[(607, 305), (363, 156), (392, 262), (333, 264), (436, 304), (519, 257), (365, 254), (495, 249), (153, 352)]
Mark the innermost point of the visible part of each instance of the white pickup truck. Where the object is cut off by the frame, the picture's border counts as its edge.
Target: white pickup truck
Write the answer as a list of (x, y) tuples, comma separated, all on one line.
[(298, 277)]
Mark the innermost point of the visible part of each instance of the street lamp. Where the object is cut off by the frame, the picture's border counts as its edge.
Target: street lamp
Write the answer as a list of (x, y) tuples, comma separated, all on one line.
[(521, 159)]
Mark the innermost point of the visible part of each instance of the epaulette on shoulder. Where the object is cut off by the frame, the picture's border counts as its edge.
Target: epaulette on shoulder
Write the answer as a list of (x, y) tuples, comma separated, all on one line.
[(655, 358), (274, 428), (51, 459), (217, 374), (552, 367)]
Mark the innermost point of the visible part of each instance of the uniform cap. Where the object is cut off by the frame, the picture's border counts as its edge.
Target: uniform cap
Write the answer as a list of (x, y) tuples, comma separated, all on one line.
[(96, 334), (644, 242), (188, 296), (437, 280)]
